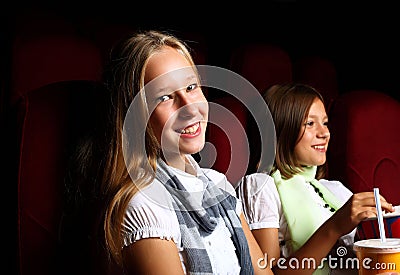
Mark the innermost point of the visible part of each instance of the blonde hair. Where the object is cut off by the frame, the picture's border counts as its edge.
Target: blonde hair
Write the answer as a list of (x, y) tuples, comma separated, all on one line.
[(124, 78)]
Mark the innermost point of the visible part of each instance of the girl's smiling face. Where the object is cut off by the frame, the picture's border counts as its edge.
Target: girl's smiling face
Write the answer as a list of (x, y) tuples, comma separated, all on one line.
[(314, 136), (179, 109)]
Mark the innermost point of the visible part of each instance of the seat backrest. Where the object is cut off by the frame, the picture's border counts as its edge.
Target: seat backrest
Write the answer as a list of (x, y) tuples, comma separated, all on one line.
[(320, 73), (262, 64), (364, 151), (50, 120), (44, 59), (227, 147), (105, 34)]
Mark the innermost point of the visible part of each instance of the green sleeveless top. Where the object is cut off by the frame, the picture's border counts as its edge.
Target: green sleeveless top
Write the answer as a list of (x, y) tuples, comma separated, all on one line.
[(300, 209)]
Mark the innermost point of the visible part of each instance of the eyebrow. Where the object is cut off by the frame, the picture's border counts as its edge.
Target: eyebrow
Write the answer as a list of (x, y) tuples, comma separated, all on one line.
[(167, 89), (316, 116)]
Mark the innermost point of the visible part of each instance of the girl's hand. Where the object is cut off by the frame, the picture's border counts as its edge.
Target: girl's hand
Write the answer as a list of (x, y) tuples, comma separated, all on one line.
[(359, 207)]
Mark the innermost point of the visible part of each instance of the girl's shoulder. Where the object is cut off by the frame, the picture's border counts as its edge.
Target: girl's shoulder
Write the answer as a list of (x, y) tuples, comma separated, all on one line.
[(257, 182), (150, 213), (153, 198), (256, 185)]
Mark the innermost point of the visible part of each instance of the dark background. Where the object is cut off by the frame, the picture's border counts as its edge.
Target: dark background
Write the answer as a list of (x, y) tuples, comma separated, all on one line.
[(360, 37)]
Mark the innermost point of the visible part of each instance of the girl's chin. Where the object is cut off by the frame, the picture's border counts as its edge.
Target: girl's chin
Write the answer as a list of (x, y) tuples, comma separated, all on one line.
[(315, 163), (191, 149), (191, 152)]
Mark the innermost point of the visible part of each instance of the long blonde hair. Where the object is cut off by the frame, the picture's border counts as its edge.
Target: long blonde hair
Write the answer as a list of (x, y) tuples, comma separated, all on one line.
[(124, 78)]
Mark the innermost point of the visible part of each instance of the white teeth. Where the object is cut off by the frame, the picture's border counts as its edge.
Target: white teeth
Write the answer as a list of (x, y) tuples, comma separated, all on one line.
[(191, 129), (319, 147)]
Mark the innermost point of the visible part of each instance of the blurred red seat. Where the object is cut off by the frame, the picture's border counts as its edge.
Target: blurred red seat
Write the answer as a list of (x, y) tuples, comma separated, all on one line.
[(50, 122), (364, 151), (44, 59), (105, 34), (263, 65), (227, 147), (320, 73)]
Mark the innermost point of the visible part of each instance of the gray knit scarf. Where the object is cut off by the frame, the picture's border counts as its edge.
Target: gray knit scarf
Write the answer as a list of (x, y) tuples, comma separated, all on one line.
[(200, 220)]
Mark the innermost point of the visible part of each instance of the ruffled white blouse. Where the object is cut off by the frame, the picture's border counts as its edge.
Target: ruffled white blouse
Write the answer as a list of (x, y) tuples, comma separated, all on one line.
[(150, 214), (263, 209)]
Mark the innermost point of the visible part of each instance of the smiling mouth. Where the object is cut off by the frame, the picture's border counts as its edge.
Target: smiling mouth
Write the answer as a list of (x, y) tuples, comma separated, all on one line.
[(191, 129), (319, 148)]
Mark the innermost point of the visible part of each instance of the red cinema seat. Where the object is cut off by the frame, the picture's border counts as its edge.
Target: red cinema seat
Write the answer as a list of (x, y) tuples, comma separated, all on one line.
[(364, 150), (44, 59), (320, 73), (263, 65), (51, 120), (227, 147)]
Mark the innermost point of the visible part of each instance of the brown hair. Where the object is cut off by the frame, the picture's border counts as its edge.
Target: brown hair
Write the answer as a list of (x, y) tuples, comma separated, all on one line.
[(289, 105)]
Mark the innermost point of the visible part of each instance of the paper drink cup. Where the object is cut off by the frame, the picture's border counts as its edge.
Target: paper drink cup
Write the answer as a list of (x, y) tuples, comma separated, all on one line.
[(377, 257), (369, 229)]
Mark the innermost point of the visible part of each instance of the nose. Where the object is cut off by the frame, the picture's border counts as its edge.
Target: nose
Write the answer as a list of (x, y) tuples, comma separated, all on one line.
[(323, 131), (187, 106)]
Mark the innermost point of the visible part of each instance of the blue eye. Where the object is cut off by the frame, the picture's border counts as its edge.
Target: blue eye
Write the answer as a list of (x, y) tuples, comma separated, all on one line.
[(164, 98)]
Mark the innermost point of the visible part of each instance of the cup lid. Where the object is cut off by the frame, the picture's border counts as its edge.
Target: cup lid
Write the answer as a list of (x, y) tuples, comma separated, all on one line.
[(391, 245), (389, 215)]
